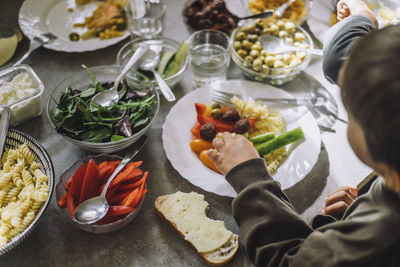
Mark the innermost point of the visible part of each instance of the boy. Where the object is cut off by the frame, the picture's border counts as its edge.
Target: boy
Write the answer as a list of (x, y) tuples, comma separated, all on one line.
[(368, 234)]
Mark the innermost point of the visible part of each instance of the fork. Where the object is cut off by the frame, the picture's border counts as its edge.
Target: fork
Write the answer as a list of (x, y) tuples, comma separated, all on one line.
[(225, 98), (36, 42)]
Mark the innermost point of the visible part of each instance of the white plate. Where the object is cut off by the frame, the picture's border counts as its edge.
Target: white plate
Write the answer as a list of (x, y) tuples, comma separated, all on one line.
[(182, 117), (41, 16), (321, 11)]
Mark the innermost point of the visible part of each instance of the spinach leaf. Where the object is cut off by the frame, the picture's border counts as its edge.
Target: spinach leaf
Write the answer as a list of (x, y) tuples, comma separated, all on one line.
[(116, 137), (96, 136), (88, 92)]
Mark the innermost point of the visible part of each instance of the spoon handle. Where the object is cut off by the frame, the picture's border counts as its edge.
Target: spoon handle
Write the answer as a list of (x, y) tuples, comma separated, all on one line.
[(165, 89), (4, 120), (138, 54), (136, 148), (261, 15)]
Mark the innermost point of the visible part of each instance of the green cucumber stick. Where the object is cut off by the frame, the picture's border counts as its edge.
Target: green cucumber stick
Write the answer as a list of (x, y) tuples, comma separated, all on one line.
[(262, 138), (287, 138), (174, 66)]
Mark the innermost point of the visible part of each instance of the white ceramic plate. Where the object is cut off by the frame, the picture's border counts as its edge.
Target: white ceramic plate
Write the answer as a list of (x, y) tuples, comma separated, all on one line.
[(41, 16), (321, 11), (182, 117)]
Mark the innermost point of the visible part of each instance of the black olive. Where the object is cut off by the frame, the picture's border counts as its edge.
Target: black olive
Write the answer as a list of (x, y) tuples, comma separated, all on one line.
[(73, 36), (208, 131), (241, 126), (230, 115)]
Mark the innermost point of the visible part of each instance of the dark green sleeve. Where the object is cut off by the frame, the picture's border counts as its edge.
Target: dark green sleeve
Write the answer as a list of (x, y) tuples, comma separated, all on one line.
[(275, 235)]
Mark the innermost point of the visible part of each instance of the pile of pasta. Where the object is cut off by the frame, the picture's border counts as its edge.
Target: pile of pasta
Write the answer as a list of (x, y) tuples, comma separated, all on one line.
[(293, 12), (23, 190), (266, 122)]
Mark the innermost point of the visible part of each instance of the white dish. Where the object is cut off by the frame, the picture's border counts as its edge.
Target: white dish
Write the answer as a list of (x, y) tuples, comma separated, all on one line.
[(321, 11), (182, 117), (42, 16)]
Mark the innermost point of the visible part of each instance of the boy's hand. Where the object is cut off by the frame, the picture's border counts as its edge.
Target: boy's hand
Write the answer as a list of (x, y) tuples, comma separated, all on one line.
[(339, 200), (346, 8), (231, 151)]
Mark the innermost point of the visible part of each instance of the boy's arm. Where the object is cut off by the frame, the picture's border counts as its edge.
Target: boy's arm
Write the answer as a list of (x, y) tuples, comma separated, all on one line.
[(275, 235), (338, 41)]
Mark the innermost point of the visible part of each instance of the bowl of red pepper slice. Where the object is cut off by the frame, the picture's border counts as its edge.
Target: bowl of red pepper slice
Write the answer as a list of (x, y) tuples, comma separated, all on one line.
[(86, 179)]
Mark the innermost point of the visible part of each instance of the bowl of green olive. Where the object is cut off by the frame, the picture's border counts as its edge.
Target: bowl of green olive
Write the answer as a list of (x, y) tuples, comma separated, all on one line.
[(254, 53)]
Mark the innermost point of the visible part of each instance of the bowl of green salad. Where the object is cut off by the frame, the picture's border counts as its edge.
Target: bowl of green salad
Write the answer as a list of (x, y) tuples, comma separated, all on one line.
[(172, 65), (101, 129)]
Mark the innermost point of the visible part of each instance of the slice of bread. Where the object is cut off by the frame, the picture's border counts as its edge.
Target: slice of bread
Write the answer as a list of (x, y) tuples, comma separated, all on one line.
[(186, 213)]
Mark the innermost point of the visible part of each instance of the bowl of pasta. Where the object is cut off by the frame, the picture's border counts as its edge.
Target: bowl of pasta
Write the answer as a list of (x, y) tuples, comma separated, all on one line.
[(26, 186)]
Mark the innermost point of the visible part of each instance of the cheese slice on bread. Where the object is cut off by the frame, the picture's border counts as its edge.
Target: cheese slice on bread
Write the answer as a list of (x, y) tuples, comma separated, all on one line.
[(186, 212)]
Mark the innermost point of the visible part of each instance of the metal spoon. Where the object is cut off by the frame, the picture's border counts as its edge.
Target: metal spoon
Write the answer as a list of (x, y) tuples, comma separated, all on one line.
[(110, 97), (93, 209), (277, 45), (149, 62), (4, 121)]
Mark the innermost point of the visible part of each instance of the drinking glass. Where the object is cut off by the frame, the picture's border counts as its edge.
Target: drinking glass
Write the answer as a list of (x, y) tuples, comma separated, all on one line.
[(151, 24), (209, 56)]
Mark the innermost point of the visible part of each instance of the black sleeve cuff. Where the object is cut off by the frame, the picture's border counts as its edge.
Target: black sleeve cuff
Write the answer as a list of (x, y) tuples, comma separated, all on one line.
[(248, 172)]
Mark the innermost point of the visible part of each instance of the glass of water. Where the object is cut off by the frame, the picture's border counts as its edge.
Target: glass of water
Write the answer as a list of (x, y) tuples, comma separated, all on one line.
[(151, 24), (209, 56)]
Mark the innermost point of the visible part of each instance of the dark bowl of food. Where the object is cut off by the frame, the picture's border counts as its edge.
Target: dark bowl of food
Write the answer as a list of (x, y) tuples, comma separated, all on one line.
[(101, 129)]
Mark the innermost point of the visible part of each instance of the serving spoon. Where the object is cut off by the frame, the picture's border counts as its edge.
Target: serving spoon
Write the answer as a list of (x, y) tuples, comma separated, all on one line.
[(277, 45), (149, 62), (4, 121), (110, 97), (95, 208)]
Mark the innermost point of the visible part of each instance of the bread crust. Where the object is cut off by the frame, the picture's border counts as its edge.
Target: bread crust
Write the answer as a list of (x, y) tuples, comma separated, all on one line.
[(158, 203)]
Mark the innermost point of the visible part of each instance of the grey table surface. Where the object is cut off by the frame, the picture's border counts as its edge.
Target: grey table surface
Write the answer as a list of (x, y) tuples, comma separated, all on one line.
[(147, 241)]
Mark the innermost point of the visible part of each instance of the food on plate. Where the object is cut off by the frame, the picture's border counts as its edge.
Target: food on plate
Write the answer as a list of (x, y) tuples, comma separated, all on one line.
[(251, 119), (210, 14), (249, 48), (294, 12), (22, 95), (23, 190), (77, 118), (126, 190), (186, 213), (107, 21)]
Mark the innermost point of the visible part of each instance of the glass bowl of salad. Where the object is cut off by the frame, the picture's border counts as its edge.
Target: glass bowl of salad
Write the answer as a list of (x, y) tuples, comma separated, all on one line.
[(101, 129), (173, 60)]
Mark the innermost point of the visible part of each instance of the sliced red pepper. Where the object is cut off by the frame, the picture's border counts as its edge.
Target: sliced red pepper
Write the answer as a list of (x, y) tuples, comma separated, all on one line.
[(62, 202), (76, 183), (68, 184), (110, 192), (196, 130), (119, 196), (133, 185), (141, 192), (129, 199), (252, 123), (132, 170), (71, 206), (102, 164), (90, 182), (220, 125), (105, 172), (115, 212)]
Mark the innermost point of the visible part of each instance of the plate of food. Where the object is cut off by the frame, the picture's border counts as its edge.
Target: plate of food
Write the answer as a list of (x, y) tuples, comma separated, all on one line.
[(323, 14), (186, 133), (81, 25)]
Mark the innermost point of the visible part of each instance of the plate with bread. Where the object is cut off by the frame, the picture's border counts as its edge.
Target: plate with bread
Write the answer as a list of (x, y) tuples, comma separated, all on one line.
[(288, 168)]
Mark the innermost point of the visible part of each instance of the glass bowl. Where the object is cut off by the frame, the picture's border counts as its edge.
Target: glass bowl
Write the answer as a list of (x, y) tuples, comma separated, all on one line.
[(157, 43), (28, 106), (81, 80), (276, 76), (93, 228), (14, 139)]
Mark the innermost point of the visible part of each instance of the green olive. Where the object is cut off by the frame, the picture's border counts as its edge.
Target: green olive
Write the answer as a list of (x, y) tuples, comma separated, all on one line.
[(254, 53), (256, 47), (249, 29), (249, 59), (252, 38), (216, 113), (257, 65), (246, 45), (216, 105), (261, 58), (265, 69), (265, 31), (237, 45), (242, 53), (73, 36), (240, 36)]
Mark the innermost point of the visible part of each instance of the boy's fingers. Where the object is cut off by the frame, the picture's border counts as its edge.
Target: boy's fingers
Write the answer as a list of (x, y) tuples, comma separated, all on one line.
[(218, 143), (337, 209), (227, 137), (348, 189), (213, 154), (339, 197)]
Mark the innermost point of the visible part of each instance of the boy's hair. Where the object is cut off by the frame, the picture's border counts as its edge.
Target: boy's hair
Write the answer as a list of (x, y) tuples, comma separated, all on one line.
[(370, 88)]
